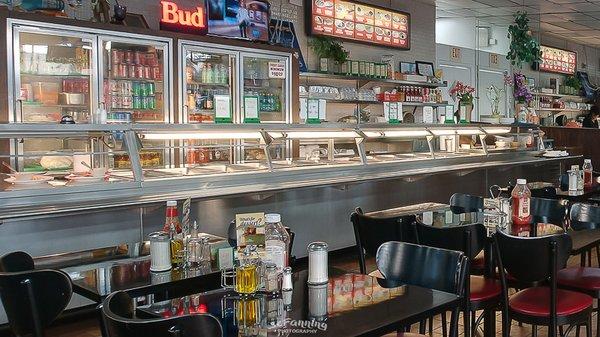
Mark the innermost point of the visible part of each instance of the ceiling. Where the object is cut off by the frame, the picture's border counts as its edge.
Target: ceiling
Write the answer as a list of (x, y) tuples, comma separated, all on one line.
[(574, 20)]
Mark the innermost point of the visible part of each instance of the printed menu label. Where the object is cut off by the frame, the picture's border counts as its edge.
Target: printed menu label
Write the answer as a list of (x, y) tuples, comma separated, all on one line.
[(276, 70), (251, 108), (223, 107)]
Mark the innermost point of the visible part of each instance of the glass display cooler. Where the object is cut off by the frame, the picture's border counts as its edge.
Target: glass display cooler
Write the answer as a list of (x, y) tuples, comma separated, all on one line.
[(221, 84), (57, 71)]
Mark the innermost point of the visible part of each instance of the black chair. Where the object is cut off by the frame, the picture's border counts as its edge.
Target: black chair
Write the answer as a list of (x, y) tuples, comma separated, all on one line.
[(464, 203), (548, 192), (547, 211), (120, 321), (563, 182), (32, 299), (371, 232), (536, 260), (414, 265), (484, 292), (584, 220)]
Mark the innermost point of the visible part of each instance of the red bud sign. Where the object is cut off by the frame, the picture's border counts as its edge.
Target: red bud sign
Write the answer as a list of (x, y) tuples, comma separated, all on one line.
[(191, 21)]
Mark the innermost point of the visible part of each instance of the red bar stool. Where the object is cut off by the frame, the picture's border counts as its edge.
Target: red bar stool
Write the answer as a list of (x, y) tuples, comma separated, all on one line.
[(534, 260), (484, 292)]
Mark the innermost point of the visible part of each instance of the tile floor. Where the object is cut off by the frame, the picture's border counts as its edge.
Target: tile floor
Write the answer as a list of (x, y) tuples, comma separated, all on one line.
[(88, 327)]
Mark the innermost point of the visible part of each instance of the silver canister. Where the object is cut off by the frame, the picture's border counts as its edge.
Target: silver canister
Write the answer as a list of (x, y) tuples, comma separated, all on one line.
[(160, 251)]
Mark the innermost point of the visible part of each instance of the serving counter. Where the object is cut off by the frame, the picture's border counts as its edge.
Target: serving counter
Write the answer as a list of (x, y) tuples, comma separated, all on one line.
[(576, 141)]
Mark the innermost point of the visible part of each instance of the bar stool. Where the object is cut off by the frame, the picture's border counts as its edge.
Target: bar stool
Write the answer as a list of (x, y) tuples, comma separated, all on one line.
[(371, 232), (32, 299), (539, 305), (484, 293), (118, 313), (405, 263)]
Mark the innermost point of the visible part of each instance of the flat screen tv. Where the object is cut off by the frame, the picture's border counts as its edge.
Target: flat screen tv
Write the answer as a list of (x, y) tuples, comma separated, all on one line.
[(245, 19)]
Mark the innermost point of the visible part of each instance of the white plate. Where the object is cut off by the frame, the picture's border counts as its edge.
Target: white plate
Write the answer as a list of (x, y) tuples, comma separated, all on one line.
[(84, 179), (41, 180)]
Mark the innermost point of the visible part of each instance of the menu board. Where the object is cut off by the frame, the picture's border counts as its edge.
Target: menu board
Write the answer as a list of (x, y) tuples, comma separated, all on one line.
[(355, 21), (558, 61)]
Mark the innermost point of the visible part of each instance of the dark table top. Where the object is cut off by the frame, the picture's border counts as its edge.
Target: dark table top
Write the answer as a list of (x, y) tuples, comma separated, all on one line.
[(135, 277), (349, 305)]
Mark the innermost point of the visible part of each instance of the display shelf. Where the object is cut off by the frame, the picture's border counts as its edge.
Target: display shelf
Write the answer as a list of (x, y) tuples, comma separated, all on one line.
[(371, 79), (224, 85), (133, 79), (560, 110), (42, 105), (58, 76), (560, 96), (358, 101)]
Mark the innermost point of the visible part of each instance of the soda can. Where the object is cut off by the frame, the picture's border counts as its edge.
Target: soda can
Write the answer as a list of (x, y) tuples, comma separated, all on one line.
[(139, 71), (135, 88), (151, 102), (144, 103), (113, 86), (131, 71), (150, 59), (147, 72), (127, 88), (122, 70), (128, 57), (126, 102), (150, 89), (114, 56), (137, 102), (114, 101), (137, 57), (67, 86), (114, 71)]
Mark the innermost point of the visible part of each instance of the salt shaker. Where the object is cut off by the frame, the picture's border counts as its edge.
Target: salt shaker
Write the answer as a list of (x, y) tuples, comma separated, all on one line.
[(160, 251)]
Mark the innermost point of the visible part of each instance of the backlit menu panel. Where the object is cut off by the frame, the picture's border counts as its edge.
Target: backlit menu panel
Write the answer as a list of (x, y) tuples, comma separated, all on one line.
[(356, 21), (558, 61)]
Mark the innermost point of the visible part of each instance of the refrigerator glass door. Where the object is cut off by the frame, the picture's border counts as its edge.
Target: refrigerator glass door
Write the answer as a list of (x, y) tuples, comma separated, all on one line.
[(54, 75), (134, 86), (266, 85), (208, 85)]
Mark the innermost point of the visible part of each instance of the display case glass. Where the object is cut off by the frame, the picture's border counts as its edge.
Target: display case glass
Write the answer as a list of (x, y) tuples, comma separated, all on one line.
[(208, 84), (53, 75), (46, 160), (134, 87), (265, 88)]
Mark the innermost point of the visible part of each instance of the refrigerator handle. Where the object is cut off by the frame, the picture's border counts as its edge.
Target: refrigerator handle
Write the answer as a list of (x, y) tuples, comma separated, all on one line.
[(185, 113), (19, 115)]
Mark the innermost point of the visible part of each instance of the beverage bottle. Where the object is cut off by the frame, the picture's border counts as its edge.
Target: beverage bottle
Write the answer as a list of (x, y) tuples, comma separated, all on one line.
[(210, 75), (521, 203), (277, 241), (579, 175), (176, 241), (172, 218), (30, 5), (588, 178)]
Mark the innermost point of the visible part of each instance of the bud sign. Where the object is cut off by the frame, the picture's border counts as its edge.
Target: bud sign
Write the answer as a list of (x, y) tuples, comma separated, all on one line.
[(191, 21)]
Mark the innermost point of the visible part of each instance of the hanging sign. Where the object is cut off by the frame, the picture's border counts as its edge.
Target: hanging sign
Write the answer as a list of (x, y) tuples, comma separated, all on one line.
[(556, 60), (356, 21), (192, 21), (455, 54)]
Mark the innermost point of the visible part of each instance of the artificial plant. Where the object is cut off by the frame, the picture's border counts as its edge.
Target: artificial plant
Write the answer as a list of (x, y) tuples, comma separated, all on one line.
[(330, 48), (573, 82), (524, 48)]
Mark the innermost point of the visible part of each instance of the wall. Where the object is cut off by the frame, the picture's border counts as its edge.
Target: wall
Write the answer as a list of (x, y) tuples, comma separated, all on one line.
[(462, 32)]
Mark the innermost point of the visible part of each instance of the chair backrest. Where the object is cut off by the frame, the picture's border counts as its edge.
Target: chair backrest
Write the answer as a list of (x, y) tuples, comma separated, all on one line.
[(119, 303), (15, 262), (563, 182), (514, 251), (371, 232), (423, 266), (469, 239), (553, 211), (464, 203), (34, 299), (584, 216), (548, 192)]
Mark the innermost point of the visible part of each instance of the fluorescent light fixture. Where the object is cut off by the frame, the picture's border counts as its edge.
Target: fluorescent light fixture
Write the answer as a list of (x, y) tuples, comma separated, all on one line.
[(497, 131), (315, 134), (452, 132), (374, 134), (203, 135), (406, 133)]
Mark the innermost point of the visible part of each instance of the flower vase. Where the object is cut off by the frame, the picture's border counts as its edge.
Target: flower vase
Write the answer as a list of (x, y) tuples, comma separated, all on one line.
[(464, 111), (518, 107)]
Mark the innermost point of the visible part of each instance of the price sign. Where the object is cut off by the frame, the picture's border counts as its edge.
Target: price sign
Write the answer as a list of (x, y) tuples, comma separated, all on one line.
[(276, 70), (251, 109), (222, 108)]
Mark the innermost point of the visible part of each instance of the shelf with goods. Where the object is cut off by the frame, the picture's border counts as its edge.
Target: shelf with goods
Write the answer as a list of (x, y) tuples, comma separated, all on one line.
[(367, 102), (374, 80), (558, 96)]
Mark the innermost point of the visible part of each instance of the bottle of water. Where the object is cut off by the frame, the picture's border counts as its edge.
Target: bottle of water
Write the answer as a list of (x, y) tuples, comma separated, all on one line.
[(277, 241)]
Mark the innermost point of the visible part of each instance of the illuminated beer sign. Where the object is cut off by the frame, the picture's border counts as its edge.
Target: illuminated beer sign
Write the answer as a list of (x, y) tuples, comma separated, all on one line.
[(182, 20)]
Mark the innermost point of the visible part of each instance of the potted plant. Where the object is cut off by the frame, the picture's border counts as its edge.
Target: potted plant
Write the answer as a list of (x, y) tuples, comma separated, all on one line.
[(521, 93), (464, 95), (494, 95), (330, 52), (572, 85), (524, 48)]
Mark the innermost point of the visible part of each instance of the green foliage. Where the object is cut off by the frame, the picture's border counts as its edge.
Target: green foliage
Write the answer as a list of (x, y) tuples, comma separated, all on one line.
[(523, 47), (573, 82), (327, 47)]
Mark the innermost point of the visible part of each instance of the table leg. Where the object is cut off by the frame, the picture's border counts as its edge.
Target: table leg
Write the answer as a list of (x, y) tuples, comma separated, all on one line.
[(103, 331)]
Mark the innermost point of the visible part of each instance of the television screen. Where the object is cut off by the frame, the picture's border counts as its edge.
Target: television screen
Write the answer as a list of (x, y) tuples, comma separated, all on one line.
[(247, 19)]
